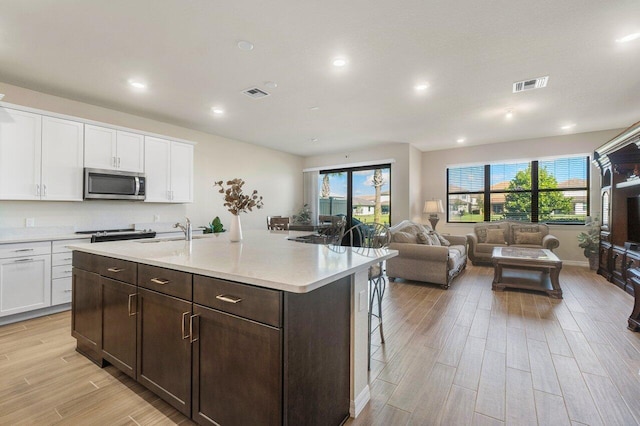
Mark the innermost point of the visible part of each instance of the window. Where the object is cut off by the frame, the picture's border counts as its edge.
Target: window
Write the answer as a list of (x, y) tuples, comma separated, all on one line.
[(550, 191), (361, 194)]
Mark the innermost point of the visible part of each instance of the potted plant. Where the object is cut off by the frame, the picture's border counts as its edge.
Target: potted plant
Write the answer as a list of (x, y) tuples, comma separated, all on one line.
[(236, 201), (303, 217), (214, 227), (589, 241)]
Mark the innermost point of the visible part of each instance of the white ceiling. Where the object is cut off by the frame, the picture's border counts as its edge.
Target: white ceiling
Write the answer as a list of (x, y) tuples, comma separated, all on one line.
[(469, 51)]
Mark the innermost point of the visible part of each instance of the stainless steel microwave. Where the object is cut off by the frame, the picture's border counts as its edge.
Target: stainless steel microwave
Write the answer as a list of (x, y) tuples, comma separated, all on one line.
[(113, 185)]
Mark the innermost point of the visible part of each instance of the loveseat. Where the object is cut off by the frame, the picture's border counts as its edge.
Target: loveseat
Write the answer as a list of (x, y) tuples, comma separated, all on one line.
[(488, 235), (424, 255)]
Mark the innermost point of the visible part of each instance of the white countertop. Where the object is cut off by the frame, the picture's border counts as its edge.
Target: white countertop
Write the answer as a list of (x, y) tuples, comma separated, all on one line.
[(264, 258)]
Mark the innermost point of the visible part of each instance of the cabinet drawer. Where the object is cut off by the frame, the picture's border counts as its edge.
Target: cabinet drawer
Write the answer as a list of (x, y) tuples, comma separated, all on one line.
[(255, 303), (61, 271), (61, 291), (166, 281), (117, 269), (58, 259), (61, 246), (25, 249)]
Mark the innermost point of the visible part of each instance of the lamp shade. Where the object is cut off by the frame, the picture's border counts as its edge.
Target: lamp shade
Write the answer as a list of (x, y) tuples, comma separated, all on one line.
[(433, 206)]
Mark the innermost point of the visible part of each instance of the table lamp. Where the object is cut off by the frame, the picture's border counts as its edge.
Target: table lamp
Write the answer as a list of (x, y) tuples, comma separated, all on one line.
[(433, 207)]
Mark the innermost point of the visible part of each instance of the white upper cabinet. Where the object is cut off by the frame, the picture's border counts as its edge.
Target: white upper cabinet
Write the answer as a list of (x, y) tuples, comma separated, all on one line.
[(111, 149), (62, 160), (20, 154), (40, 157), (169, 171)]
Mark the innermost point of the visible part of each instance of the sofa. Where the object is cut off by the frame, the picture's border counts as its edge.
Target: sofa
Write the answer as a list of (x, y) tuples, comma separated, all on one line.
[(488, 235), (424, 255)]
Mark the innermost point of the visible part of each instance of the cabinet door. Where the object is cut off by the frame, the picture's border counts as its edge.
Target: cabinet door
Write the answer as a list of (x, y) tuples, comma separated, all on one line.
[(157, 156), (181, 172), (86, 315), (20, 153), (237, 373), (100, 147), (164, 348), (62, 159), (119, 324), (25, 284), (130, 152)]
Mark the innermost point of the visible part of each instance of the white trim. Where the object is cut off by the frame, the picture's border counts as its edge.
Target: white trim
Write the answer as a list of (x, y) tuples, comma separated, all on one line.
[(361, 401), (348, 165), (92, 122)]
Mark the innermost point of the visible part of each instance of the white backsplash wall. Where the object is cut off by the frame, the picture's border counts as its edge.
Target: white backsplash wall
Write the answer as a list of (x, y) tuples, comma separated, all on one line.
[(276, 175)]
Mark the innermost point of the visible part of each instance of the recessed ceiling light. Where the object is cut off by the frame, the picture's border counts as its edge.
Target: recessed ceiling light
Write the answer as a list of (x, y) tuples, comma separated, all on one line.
[(509, 114), (339, 62), (568, 126), (217, 111), (461, 140), (314, 108), (137, 84), (271, 84), (245, 45), (628, 37), (421, 87), (314, 139)]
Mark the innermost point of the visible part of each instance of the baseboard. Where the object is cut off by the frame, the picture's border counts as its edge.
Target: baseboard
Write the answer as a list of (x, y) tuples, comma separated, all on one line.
[(35, 314), (361, 401)]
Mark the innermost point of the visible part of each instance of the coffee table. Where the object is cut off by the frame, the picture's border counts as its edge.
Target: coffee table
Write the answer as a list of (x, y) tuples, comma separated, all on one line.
[(527, 268)]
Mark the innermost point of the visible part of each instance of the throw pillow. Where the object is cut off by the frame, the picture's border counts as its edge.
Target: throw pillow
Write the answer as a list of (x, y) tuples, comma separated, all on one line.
[(404, 237), (433, 238), (495, 236), (529, 238), (423, 238), (443, 240)]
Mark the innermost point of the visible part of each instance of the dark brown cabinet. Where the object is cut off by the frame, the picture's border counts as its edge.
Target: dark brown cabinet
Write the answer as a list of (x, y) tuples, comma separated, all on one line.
[(237, 370), (86, 322), (220, 352), (164, 347), (119, 324)]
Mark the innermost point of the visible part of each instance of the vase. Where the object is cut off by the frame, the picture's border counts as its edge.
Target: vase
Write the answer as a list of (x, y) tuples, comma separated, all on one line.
[(235, 229), (593, 262)]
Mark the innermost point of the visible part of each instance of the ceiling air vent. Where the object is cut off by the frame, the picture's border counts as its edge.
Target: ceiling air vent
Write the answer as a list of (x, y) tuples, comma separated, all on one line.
[(255, 93), (535, 83)]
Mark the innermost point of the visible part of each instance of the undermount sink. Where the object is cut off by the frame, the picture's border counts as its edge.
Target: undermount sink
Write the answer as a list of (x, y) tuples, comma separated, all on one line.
[(163, 240)]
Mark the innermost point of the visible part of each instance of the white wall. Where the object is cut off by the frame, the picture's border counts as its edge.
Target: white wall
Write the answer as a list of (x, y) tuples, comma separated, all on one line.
[(401, 177), (276, 175), (435, 163)]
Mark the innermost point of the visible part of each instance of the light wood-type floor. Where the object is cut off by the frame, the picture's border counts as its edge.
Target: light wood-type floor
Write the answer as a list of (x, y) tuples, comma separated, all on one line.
[(465, 356)]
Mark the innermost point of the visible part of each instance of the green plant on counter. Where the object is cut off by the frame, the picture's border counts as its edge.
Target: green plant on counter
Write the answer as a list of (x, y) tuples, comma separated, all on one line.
[(214, 227)]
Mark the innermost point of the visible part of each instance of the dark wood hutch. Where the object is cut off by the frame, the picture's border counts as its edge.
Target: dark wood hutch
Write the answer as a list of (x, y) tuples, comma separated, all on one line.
[(619, 256)]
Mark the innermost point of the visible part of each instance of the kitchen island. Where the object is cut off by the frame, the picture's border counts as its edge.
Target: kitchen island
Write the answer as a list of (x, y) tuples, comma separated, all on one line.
[(267, 331)]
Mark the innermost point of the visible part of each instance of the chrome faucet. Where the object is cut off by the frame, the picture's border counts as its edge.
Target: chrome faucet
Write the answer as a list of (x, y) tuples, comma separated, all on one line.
[(186, 229)]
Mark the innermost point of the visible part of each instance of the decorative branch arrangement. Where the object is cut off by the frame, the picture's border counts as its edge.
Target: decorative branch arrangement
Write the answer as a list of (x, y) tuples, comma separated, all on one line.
[(235, 200)]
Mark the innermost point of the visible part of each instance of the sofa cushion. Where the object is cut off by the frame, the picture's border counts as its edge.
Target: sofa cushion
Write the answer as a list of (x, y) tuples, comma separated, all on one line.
[(481, 230), (404, 237), (521, 237), (433, 239), (495, 236), (423, 238)]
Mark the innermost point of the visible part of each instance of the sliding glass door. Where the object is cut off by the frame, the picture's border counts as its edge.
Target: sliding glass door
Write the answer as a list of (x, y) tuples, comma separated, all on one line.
[(361, 194)]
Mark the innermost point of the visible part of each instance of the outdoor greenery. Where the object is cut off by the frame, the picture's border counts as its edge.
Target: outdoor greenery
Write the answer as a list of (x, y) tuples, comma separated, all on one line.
[(550, 202)]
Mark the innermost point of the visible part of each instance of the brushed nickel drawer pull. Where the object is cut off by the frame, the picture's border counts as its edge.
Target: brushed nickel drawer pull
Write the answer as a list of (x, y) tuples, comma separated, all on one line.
[(192, 340), (131, 296), (17, 251), (23, 260), (159, 281), (67, 291), (228, 299), (184, 316), (114, 269)]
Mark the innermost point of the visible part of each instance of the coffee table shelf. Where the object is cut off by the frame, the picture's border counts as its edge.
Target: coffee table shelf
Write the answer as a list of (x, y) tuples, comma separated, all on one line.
[(527, 268)]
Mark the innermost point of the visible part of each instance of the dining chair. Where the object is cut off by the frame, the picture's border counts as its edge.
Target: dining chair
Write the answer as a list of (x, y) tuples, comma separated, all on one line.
[(277, 223)]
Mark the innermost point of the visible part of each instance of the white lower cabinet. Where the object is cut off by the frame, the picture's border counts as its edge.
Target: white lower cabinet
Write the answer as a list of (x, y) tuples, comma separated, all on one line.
[(25, 277), (61, 271)]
